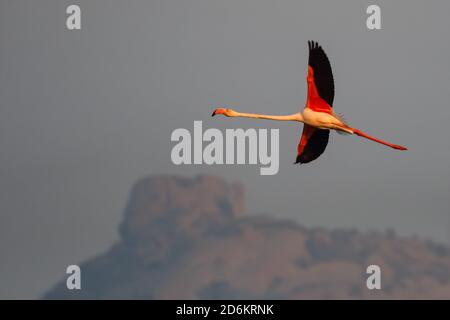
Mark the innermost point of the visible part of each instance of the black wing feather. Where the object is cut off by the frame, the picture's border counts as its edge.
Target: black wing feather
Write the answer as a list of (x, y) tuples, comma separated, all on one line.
[(315, 146), (323, 76)]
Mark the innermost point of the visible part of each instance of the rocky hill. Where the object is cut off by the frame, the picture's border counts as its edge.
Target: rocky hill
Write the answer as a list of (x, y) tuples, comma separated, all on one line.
[(184, 238)]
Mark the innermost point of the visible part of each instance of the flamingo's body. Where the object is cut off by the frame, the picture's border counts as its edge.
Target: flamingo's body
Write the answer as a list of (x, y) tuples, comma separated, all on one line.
[(318, 115)]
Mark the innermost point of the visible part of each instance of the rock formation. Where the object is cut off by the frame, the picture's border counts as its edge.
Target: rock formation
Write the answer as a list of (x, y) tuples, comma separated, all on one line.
[(184, 238)]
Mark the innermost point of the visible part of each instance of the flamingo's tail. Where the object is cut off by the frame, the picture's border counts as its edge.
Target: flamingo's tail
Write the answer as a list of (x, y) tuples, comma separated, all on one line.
[(365, 135)]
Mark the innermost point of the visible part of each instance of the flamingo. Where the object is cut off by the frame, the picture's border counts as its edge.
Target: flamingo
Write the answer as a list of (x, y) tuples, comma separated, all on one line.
[(317, 116)]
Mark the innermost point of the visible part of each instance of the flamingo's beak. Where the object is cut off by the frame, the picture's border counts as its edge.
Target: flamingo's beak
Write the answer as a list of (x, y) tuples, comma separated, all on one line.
[(218, 111)]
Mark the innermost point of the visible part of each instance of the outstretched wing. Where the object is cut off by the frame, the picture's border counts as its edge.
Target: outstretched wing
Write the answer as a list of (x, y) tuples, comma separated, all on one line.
[(322, 83), (312, 144), (313, 141)]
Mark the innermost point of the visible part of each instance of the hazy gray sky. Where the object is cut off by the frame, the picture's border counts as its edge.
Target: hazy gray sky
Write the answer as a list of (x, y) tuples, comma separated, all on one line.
[(86, 113)]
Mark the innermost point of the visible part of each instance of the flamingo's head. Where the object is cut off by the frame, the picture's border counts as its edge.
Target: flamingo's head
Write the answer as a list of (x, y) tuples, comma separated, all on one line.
[(225, 111)]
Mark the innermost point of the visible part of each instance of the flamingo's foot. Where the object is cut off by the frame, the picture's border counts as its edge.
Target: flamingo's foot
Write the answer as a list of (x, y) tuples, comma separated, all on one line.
[(396, 146)]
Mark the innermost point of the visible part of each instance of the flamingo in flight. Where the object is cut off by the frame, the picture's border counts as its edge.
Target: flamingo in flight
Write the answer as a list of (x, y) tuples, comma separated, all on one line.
[(318, 115)]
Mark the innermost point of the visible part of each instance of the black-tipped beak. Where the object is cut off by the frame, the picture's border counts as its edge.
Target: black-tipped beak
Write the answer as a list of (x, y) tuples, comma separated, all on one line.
[(214, 113)]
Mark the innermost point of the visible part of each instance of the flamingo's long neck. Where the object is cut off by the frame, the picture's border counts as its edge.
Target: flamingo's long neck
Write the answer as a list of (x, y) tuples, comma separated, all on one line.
[(291, 117)]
